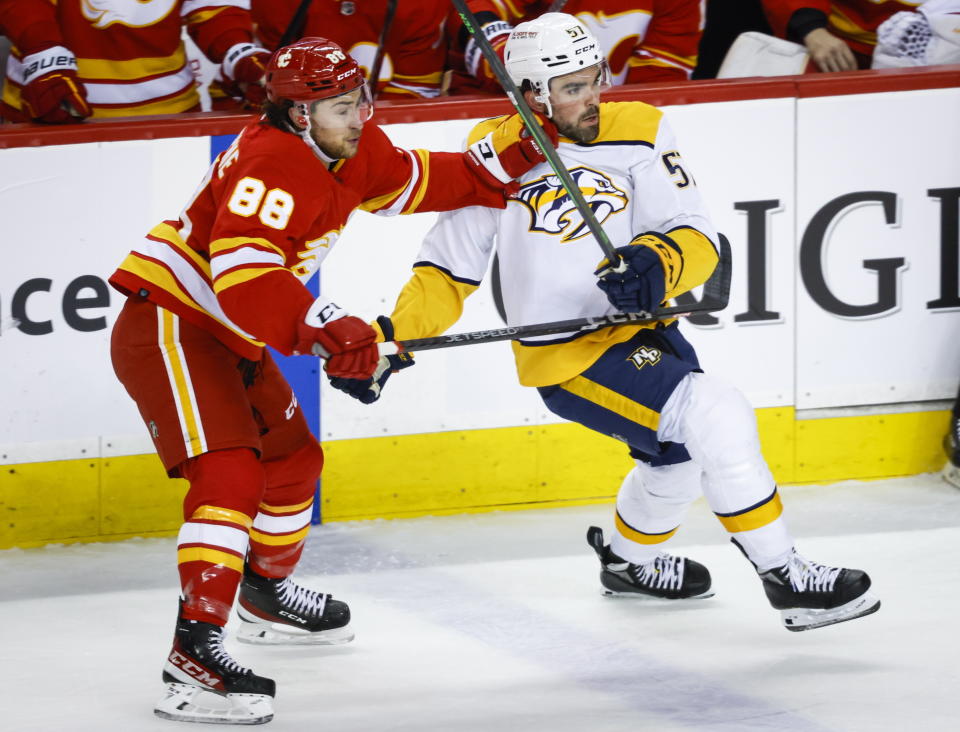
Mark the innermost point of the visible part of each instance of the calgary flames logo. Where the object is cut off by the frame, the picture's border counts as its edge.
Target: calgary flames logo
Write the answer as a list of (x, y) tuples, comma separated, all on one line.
[(552, 210), (131, 13), (284, 58)]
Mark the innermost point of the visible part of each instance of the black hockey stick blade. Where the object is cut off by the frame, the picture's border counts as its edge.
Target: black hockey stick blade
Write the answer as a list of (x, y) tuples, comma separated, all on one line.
[(716, 295)]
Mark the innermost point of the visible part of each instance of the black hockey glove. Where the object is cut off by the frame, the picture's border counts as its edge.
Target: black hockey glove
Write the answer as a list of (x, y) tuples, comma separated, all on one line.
[(368, 390), (639, 287)]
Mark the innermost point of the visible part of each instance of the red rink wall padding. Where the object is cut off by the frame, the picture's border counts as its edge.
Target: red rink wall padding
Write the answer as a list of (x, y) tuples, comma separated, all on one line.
[(396, 112)]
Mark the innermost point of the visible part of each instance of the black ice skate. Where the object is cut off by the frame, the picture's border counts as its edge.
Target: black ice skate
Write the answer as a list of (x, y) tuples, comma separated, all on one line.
[(810, 595), (951, 443), (281, 612), (666, 577), (204, 684)]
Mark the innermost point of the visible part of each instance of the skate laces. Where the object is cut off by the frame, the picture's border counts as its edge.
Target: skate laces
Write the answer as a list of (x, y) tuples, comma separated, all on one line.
[(806, 576), (665, 571), (220, 654), (300, 599)]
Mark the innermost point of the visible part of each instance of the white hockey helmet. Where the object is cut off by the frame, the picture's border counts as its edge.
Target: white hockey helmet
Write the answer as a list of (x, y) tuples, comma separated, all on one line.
[(549, 46)]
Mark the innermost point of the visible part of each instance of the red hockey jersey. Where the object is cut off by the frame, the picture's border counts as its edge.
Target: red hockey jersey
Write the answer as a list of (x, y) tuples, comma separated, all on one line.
[(130, 54), (643, 40), (415, 54), (265, 216), (855, 21)]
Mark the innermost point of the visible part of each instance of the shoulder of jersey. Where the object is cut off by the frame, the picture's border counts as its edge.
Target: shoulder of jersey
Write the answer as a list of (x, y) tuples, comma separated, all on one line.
[(484, 128), (628, 122)]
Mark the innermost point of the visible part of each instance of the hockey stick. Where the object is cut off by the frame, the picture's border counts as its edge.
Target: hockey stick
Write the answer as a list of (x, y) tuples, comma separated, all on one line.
[(526, 114), (716, 295), (382, 47), (295, 26)]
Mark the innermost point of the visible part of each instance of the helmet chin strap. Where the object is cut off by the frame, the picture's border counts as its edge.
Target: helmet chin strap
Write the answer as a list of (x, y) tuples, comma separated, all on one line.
[(304, 118)]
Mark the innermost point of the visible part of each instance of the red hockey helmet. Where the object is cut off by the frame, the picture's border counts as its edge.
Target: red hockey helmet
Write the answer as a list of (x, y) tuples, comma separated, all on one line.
[(311, 68)]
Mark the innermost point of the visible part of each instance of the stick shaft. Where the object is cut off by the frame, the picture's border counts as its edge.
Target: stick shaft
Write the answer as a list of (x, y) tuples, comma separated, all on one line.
[(381, 48), (716, 295), (526, 114)]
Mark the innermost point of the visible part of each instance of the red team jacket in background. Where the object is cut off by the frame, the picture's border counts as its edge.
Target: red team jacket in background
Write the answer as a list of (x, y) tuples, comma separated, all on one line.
[(855, 21), (643, 40), (130, 56), (415, 50), (266, 215)]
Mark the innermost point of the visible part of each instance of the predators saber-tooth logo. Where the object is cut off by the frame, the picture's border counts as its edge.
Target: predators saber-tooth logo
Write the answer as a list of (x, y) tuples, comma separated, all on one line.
[(554, 212)]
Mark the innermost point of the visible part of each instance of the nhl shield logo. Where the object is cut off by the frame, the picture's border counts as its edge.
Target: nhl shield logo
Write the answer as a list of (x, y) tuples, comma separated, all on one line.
[(553, 211)]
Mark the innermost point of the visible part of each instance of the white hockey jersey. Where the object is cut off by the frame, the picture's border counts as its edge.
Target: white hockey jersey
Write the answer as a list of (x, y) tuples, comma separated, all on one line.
[(633, 178)]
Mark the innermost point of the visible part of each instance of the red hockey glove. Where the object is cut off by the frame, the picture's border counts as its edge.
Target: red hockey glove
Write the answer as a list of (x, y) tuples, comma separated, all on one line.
[(347, 343), (241, 74), (497, 34), (367, 391), (52, 92), (508, 151)]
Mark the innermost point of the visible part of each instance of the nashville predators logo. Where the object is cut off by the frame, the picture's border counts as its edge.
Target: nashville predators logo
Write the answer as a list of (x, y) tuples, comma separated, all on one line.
[(554, 212), (131, 13)]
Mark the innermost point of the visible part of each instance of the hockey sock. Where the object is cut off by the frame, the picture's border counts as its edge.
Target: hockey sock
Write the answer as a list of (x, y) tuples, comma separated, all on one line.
[(651, 504), (718, 427), (283, 520), (225, 488)]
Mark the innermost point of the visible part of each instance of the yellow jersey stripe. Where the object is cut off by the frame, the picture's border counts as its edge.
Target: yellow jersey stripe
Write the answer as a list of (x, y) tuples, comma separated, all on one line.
[(380, 201), (171, 236), (238, 277), (219, 246), (134, 69), (417, 197)]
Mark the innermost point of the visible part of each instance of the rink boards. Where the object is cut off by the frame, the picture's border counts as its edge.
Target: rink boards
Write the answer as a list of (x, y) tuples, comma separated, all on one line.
[(840, 197)]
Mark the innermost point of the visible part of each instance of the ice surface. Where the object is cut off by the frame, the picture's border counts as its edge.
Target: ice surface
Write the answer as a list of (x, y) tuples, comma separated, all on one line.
[(494, 623)]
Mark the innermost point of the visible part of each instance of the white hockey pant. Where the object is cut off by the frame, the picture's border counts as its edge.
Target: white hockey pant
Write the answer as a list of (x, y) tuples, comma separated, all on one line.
[(717, 425)]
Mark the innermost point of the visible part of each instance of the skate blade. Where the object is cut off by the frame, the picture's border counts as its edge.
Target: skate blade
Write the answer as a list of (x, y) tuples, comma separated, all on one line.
[(606, 592), (798, 619), (277, 634), (188, 703)]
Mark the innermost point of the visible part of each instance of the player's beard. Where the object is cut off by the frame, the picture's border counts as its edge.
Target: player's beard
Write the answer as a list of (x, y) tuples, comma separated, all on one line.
[(576, 131), (341, 146)]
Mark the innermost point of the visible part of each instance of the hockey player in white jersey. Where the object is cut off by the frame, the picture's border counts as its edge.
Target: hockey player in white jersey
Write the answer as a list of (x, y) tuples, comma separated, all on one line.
[(687, 431)]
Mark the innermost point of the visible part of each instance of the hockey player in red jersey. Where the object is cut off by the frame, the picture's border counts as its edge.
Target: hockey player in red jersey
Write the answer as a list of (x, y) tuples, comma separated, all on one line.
[(689, 432), (207, 291), (643, 40), (414, 55), (50, 89), (115, 58)]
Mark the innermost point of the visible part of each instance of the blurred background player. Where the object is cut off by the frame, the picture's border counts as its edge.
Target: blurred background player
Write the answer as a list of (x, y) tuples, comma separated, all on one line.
[(840, 35), (206, 292), (414, 55), (643, 41), (641, 384), (50, 90), (115, 58)]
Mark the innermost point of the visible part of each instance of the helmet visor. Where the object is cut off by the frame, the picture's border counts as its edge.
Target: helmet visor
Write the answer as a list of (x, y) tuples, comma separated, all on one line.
[(343, 112), (579, 87)]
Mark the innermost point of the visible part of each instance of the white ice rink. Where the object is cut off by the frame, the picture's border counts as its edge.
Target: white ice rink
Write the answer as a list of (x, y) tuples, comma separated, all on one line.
[(494, 623)]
